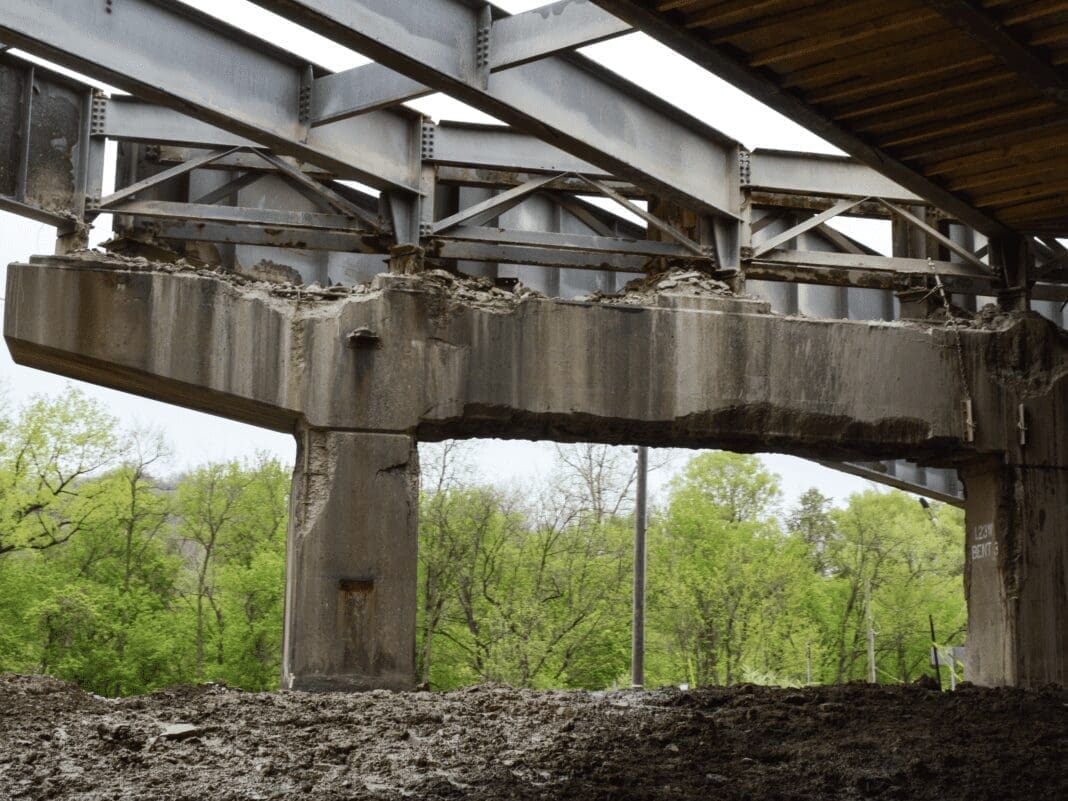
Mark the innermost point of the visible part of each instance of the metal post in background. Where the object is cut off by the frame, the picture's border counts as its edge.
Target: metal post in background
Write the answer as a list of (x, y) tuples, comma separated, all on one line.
[(934, 650), (637, 647), (872, 679)]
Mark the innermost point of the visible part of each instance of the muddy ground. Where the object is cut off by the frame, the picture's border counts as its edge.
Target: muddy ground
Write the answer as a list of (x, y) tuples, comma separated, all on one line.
[(847, 742)]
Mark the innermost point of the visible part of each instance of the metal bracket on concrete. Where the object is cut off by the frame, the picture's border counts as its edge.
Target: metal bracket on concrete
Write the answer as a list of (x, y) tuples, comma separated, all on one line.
[(969, 420)]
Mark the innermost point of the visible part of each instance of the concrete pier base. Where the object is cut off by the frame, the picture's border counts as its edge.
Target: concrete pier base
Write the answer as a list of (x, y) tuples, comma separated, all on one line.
[(351, 563), (1015, 574)]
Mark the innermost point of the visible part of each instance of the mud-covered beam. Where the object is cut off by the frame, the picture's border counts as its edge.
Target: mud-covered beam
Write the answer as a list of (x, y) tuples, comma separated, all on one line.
[(713, 372)]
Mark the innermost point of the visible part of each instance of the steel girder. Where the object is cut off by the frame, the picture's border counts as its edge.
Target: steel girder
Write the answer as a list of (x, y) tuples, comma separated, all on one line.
[(515, 40), (49, 163), (566, 100), (163, 51), (815, 174), (167, 53), (485, 148), (476, 146)]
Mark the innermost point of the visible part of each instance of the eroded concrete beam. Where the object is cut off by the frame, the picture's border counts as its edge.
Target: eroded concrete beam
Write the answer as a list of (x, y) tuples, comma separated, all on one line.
[(437, 365)]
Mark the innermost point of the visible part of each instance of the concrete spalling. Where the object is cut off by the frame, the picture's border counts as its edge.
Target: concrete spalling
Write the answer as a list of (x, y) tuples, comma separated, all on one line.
[(359, 375)]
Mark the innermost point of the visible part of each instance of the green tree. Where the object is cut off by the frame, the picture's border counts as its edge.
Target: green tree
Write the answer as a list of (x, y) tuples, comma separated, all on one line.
[(725, 578), (252, 579), (887, 550), (231, 521), (49, 455), (530, 594), (811, 521), (451, 521), (122, 582), (101, 611)]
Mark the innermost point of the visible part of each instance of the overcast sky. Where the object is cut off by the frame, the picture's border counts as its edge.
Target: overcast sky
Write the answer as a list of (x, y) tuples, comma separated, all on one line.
[(196, 437)]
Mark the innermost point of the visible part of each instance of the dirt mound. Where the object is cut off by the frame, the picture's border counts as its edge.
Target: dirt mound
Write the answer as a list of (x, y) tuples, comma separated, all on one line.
[(849, 742)]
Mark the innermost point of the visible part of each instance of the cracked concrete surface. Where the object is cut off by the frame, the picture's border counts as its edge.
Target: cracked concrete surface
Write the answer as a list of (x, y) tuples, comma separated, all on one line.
[(712, 372)]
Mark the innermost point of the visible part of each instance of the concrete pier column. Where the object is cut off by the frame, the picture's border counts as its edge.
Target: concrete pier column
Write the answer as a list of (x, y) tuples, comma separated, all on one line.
[(351, 563), (1015, 574)]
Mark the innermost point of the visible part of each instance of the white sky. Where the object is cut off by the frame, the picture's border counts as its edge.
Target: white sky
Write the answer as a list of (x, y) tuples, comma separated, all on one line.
[(198, 437)]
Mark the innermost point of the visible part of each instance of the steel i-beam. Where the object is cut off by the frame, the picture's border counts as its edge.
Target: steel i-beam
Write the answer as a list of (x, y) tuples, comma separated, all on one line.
[(168, 53), (566, 100)]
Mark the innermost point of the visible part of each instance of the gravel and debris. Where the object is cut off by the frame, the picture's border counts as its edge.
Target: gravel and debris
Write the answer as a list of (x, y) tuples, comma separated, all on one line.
[(994, 318), (491, 742), (480, 292), (469, 290), (281, 289), (643, 291)]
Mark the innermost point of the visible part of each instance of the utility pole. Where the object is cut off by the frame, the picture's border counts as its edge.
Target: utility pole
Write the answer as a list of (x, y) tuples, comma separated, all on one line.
[(871, 633), (637, 643), (934, 651)]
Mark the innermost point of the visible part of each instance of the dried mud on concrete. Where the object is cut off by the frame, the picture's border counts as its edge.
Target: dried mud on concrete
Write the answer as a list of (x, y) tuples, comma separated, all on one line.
[(498, 743)]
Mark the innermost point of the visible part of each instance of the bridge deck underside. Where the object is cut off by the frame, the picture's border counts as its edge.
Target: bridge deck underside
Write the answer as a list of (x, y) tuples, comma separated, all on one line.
[(970, 97)]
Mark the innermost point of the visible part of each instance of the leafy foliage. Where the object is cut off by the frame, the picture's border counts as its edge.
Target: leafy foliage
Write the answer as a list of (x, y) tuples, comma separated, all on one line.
[(124, 580), (106, 571), (528, 595)]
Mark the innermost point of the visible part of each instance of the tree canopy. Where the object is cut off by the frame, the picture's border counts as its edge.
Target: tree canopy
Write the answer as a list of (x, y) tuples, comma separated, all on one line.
[(124, 579)]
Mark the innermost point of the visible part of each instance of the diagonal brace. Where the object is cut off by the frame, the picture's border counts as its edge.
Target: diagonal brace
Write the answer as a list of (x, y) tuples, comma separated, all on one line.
[(331, 197), (656, 222), (496, 205), (935, 234), (1058, 259), (166, 175), (841, 207)]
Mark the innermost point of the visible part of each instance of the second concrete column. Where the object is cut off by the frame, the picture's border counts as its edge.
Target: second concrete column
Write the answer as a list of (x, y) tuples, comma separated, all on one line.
[(1015, 567)]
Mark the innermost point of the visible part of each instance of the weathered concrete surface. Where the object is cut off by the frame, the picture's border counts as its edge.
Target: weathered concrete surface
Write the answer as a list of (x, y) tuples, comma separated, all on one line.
[(1015, 574), (431, 362), (1017, 508), (536, 369), (351, 563)]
